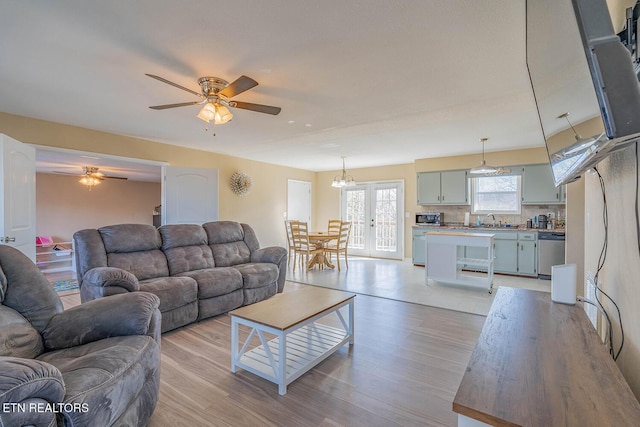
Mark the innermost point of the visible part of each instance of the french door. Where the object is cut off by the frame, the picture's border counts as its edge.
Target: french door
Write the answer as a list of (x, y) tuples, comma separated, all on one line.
[(376, 212)]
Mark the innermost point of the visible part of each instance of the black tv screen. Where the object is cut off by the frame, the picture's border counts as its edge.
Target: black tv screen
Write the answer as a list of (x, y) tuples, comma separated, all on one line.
[(581, 70)]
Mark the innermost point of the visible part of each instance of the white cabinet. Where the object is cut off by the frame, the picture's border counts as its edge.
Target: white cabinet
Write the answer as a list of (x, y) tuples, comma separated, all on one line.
[(55, 257), (538, 186), (443, 188)]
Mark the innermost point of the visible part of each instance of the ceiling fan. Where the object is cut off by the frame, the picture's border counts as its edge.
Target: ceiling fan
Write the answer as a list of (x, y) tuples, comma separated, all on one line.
[(92, 171), (215, 96)]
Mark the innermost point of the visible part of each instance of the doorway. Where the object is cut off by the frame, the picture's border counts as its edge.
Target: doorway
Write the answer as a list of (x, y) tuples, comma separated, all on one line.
[(376, 212)]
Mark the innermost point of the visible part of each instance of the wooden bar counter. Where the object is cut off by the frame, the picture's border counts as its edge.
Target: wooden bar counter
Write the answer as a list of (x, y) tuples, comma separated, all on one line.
[(540, 363)]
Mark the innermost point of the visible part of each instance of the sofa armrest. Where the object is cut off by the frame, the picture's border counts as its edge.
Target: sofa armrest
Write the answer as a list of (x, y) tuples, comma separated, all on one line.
[(104, 277), (27, 386), (272, 254), (118, 315), (275, 255)]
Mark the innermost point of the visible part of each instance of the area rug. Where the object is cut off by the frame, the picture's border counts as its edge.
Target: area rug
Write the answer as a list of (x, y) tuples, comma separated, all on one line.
[(66, 287), (402, 281)]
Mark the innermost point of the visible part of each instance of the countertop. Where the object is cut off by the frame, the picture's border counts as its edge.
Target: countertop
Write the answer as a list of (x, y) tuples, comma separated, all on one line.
[(486, 228), (540, 363)]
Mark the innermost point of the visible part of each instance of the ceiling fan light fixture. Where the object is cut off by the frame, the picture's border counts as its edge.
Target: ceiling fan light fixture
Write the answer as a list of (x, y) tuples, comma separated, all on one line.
[(208, 112), (222, 115), (215, 111), (89, 181)]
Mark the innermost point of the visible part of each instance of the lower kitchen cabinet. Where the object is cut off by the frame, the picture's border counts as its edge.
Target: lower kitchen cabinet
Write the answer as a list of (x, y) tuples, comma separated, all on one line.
[(506, 255), (418, 246), (515, 251), (527, 258)]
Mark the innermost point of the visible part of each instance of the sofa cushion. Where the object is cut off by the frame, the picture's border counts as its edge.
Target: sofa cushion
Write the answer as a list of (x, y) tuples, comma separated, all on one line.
[(173, 291), (188, 258), (185, 246), (226, 239), (17, 337), (256, 275), (177, 235), (143, 264), (213, 282), (123, 238), (105, 375)]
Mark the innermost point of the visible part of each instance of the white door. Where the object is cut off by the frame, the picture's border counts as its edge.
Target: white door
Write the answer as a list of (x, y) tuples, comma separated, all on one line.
[(18, 196), (376, 214), (299, 201), (189, 195)]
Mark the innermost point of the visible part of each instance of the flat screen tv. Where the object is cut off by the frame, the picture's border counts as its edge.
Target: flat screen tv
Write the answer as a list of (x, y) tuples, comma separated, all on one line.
[(583, 64)]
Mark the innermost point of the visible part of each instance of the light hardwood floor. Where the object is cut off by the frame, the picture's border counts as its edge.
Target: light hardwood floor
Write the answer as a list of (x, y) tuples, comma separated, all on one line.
[(403, 370)]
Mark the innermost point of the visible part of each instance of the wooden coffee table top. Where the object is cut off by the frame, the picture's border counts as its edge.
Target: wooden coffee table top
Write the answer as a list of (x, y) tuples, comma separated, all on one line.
[(286, 310)]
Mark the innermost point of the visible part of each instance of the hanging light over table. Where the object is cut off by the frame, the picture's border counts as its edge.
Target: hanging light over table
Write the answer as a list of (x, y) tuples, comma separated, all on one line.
[(344, 180)]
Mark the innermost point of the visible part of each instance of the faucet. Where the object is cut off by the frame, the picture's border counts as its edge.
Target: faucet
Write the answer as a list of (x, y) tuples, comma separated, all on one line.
[(493, 223)]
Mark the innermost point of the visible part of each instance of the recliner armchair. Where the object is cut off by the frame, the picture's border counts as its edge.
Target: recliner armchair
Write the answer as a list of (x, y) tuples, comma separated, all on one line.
[(97, 364)]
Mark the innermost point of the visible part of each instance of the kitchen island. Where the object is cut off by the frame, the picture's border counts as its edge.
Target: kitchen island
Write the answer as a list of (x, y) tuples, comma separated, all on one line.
[(446, 258)]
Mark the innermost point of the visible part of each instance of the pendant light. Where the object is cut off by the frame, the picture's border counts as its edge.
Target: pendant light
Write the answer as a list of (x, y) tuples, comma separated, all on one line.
[(344, 180), (483, 168)]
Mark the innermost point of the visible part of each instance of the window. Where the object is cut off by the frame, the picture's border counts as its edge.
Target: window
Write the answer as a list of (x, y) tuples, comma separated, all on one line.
[(496, 194)]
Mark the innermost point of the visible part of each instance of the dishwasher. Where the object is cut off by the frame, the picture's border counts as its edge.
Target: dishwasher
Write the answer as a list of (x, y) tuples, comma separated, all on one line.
[(550, 252)]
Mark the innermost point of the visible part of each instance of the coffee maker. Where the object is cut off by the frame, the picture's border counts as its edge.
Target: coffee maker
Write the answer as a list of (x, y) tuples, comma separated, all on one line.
[(543, 220)]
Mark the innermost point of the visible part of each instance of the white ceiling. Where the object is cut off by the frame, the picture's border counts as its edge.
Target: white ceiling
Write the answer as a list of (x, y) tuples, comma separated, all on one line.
[(381, 82)]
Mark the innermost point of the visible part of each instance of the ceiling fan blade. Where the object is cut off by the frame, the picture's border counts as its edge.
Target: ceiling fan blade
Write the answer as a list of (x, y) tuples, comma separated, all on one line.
[(66, 173), (268, 109), (166, 106), (114, 177), (175, 85), (240, 85)]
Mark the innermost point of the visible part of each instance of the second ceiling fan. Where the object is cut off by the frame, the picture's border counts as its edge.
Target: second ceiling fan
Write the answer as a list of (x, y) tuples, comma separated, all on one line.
[(215, 96)]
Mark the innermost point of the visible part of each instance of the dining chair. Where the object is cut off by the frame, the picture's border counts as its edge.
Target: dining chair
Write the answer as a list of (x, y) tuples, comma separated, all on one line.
[(341, 245), (334, 226), (302, 246), (290, 242)]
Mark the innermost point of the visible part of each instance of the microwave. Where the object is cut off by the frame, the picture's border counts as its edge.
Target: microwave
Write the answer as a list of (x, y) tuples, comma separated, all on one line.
[(430, 218)]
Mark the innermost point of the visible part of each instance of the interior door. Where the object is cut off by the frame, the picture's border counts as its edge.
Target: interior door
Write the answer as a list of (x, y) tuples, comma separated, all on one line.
[(18, 196), (299, 201), (376, 213), (189, 195)]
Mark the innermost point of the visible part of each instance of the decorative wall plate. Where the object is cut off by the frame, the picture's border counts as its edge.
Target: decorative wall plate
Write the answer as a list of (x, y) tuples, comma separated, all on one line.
[(240, 183)]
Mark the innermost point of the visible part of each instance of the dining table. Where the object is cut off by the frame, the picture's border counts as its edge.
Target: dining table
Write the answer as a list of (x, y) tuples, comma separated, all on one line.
[(321, 238)]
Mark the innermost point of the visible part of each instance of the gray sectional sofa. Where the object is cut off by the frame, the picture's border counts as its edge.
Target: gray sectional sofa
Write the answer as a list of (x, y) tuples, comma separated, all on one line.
[(196, 271)]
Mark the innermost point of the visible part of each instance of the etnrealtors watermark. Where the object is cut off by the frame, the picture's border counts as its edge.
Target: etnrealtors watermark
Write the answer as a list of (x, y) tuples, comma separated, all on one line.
[(43, 407)]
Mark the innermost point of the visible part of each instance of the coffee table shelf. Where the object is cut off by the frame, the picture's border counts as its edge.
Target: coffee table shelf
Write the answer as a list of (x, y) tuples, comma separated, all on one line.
[(298, 336), (306, 347)]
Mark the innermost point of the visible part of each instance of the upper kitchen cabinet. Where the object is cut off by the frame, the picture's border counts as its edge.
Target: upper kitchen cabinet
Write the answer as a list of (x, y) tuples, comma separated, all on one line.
[(538, 187), (443, 188)]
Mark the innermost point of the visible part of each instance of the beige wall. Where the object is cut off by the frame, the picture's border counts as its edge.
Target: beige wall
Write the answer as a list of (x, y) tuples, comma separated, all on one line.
[(64, 206), (496, 158), (620, 276), (263, 208)]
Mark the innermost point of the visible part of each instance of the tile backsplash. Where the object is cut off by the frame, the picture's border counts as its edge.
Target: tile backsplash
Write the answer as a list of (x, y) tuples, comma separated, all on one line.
[(455, 214)]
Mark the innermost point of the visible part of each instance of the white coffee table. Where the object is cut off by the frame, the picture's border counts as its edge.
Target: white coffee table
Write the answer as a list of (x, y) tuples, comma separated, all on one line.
[(291, 318)]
